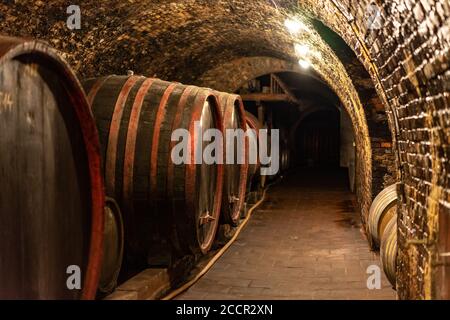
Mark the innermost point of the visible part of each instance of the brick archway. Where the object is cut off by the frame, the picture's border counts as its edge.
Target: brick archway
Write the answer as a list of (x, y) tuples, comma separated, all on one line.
[(230, 76)]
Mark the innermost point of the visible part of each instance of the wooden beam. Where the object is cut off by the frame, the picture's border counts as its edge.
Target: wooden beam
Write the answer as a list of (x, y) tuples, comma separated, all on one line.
[(286, 89), (271, 97)]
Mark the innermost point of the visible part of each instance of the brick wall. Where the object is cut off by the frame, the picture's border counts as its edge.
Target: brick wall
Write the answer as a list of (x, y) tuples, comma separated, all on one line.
[(408, 59)]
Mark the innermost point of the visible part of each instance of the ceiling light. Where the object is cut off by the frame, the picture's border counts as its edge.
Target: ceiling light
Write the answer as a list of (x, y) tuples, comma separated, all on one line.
[(294, 26), (305, 64), (301, 49)]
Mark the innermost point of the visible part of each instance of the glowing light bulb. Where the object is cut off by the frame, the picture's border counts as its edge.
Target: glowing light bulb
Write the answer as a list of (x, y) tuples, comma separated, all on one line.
[(294, 26), (305, 64), (301, 49)]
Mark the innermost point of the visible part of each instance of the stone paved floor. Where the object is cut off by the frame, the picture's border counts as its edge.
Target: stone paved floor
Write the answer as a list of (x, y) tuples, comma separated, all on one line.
[(303, 243)]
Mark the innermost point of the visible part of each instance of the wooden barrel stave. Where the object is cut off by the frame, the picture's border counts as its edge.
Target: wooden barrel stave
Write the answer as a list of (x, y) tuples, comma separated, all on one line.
[(55, 168)]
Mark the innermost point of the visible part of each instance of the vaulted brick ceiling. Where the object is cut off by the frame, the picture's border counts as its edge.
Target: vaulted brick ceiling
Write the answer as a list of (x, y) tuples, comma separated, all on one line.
[(176, 40), (179, 40)]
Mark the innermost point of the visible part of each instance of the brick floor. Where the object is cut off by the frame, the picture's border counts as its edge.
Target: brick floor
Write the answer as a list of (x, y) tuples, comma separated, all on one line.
[(303, 243)]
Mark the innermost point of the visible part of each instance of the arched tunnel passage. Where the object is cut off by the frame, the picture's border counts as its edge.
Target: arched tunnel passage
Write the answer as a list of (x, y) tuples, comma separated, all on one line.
[(309, 228), (315, 127)]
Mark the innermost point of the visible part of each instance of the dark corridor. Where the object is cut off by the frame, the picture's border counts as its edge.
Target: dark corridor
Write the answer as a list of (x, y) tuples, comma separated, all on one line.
[(318, 140)]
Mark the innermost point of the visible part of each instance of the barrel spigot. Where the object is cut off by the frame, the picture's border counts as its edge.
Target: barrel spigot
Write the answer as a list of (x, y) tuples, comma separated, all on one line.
[(207, 218), (233, 199)]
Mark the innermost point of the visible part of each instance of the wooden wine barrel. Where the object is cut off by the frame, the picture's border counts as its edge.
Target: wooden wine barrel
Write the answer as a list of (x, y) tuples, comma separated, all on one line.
[(51, 189), (285, 159), (285, 151), (253, 168), (112, 247), (381, 212), (285, 156), (388, 251), (166, 207), (235, 171)]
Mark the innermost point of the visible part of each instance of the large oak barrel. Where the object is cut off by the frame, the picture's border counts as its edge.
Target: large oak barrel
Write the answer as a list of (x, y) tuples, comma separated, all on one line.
[(381, 211), (388, 250), (168, 209), (51, 189), (285, 160), (235, 173), (285, 152), (253, 168), (112, 247)]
